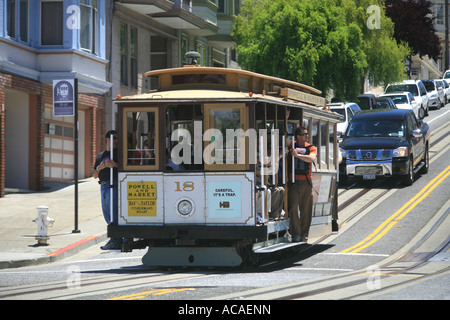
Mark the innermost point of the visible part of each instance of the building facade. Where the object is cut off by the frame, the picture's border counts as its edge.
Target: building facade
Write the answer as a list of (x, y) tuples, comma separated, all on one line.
[(42, 41), (108, 46)]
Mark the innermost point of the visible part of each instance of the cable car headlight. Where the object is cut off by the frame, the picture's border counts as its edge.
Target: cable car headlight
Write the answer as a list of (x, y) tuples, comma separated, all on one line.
[(185, 207)]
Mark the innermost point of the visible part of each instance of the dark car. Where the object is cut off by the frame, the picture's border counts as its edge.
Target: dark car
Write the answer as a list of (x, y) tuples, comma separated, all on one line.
[(385, 103), (367, 101), (385, 143), (370, 102)]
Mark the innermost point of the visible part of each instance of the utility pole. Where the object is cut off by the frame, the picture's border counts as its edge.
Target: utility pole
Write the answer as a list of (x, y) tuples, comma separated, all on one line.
[(446, 35)]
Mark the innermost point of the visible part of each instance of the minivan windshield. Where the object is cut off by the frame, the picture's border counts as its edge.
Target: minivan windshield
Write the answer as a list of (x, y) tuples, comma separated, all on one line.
[(375, 128), (341, 111), (429, 85), (403, 88), (399, 99)]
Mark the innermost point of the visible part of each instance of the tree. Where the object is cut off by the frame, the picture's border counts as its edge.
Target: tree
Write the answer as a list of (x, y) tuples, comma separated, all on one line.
[(414, 24), (322, 43)]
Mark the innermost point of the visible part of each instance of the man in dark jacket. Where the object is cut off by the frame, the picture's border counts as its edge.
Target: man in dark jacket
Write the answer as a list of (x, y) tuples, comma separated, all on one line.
[(102, 170)]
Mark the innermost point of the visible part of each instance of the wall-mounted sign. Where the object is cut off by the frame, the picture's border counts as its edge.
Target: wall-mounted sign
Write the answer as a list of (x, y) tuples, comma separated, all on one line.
[(63, 98)]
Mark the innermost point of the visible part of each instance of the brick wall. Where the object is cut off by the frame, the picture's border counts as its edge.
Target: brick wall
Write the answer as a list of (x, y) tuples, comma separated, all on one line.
[(93, 105)]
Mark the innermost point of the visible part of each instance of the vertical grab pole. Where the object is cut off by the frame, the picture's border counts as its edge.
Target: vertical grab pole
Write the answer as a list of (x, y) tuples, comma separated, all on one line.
[(293, 161), (273, 157), (283, 143), (263, 187), (111, 174), (111, 194)]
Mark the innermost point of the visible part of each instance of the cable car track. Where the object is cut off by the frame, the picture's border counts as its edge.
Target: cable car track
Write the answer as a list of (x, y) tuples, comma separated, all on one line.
[(357, 284), (95, 285)]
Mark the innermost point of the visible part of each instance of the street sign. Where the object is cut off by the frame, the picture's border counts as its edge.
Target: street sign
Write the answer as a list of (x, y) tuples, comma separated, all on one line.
[(63, 98)]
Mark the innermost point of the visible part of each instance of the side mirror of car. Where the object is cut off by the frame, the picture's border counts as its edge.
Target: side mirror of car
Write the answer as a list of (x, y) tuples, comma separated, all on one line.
[(417, 133)]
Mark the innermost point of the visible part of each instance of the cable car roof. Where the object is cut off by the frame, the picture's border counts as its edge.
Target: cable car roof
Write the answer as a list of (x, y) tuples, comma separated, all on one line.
[(231, 79)]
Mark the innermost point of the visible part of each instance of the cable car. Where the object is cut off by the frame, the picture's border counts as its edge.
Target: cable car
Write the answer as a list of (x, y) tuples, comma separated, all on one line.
[(200, 160)]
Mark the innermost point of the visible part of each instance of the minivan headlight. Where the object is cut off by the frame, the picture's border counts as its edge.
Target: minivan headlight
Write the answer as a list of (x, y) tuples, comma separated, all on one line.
[(400, 152)]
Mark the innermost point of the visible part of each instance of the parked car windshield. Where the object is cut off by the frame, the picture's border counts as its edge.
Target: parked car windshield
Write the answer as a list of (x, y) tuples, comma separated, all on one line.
[(382, 104), (376, 128), (341, 111), (403, 88), (400, 99), (363, 103), (429, 85)]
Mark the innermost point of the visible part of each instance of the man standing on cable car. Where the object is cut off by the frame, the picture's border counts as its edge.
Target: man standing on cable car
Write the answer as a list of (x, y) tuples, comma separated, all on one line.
[(300, 196)]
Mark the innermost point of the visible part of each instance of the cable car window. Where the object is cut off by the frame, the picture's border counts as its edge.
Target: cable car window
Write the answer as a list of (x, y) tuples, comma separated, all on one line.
[(141, 146), (244, 83), (306, 122), (315, 132), (223, 150), (199, 78)]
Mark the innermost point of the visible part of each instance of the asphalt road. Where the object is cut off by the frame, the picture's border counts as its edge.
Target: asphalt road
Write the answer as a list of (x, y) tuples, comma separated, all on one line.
[(396, 248)]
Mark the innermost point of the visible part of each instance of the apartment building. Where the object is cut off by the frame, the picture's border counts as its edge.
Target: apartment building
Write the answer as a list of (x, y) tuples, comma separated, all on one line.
[(42, 41), (108, 46)]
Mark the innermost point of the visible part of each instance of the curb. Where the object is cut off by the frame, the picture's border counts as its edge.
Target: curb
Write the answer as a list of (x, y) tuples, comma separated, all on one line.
[(56, 255)]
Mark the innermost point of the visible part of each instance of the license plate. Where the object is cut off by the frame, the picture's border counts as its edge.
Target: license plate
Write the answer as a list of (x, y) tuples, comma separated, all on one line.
[(369, 176)]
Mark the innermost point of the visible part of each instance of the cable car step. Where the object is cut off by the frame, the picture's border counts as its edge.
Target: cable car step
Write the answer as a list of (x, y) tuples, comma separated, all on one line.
[(277, 247), (191, 256)]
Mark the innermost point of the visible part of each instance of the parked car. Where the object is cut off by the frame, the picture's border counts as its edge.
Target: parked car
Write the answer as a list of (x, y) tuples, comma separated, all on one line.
[(367, 101), (418, 91), (348, 110), (404, 100), (391, 143), (441, 85), (385, 103), (446, 75), (435, 94), (446, 90)]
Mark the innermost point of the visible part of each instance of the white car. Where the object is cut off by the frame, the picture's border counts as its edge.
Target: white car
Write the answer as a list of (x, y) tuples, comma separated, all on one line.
[(435, 93), (446, 75), (418, 91), (348, 110), (404, 100), (446, 85)]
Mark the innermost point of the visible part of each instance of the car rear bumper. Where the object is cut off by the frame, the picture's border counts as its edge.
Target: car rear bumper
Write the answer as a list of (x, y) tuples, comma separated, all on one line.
[(435, 102)]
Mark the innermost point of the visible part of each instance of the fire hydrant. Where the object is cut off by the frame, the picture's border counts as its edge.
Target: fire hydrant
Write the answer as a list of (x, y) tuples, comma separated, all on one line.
[(43, 222)]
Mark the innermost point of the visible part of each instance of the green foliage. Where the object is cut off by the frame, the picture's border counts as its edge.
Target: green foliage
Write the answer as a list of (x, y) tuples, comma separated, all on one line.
[(322, 43)]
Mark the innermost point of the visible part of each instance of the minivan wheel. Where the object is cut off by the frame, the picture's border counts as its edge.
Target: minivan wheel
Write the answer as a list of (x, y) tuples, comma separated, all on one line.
[(421, 113)]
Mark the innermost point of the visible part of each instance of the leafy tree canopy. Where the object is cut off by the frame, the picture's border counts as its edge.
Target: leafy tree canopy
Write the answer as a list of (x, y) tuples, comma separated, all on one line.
[(323, 43), (414, 24)]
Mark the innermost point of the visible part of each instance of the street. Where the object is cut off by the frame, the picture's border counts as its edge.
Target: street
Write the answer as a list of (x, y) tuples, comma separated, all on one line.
[(392, 244)]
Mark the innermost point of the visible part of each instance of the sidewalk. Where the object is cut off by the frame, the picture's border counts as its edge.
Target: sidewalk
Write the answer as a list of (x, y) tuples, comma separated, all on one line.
[(18, 246)]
